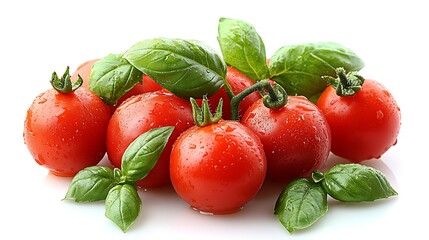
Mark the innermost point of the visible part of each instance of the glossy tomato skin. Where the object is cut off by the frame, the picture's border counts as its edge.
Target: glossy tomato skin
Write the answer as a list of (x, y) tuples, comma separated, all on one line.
[(218, 168), (143, 112), (67, 132), (296, 137), (238, 82), (365, 125), (147, 85)]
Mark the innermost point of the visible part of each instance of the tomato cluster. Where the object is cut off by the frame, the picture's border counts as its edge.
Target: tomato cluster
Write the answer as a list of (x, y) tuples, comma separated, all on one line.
[(208, 165), (223, 146)]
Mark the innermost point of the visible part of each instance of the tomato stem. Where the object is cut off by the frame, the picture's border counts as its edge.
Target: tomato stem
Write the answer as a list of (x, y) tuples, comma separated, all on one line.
[(203, 116), (228, 89), (64, 84), (346, 83), (275, 96), (317, 176)]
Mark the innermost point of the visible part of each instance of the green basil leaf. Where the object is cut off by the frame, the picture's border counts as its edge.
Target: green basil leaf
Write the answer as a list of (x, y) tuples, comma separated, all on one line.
[(301, 204), (143, 153), (123, 206), (113, 76), (299, 68), (243, 48), (356, 183), (91, 184), (187, 68)]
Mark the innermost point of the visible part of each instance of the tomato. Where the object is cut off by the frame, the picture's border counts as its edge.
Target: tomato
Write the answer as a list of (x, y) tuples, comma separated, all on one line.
[(363, 126), (84, 70), (296, 137), (66, 132), (238, 82), (219, 167), (143, 112)]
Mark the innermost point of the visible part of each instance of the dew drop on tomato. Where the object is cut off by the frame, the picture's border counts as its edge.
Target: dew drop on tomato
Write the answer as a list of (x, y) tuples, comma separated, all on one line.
[(218, 137), (40, 160), (229, 129), (250, 143), (380, 115)]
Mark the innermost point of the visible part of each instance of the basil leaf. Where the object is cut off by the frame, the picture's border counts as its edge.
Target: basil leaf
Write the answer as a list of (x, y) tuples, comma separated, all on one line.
[(299, 68), (123, 206), (301, 204), (91, 184), (113, 76), (242, 48), (187, 68), (143, 153), (356, 183)]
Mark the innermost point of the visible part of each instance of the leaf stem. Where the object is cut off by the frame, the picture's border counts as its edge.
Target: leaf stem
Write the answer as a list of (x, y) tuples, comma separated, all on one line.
[(275, 96)]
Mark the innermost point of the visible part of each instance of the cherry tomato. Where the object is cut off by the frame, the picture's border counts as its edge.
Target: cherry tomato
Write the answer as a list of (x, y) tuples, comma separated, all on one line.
[(238, 82), (363, 126), (143, 112), (296, 137), (149, 85), (67, 132), (219, 167)]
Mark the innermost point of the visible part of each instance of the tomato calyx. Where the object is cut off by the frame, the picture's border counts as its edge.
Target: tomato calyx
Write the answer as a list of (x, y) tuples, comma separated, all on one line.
[(274, 96), (346, 83), (203, 116), (64, 84)]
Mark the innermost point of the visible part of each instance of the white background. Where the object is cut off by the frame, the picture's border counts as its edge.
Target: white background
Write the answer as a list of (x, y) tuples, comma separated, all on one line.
[(39, 37)]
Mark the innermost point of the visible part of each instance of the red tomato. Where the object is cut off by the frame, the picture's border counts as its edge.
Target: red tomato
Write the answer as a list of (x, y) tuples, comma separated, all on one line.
[(84, 70), (296, 137), (363, 126), (67, 132), (143, 112), (238, 82), (217, 168)]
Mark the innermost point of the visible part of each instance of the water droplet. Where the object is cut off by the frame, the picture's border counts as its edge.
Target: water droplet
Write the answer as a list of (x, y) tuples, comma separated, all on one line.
[(42, 101), (229, 129), (380, 115), (251, 115), (333, 102), (192, 146), (387, 93), (40, 160), (206, 213), (59, 113), (218, 137)]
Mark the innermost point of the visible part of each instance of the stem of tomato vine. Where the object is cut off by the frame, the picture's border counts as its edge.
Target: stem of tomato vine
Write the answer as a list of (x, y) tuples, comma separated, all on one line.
[(64, 84), (274, 98), (228, 89)]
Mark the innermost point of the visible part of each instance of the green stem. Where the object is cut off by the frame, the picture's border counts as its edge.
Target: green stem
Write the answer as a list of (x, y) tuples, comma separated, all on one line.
[(317, 176), (64, 84), (203, 116), (228, 89), (275, 98), (346, 83)]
